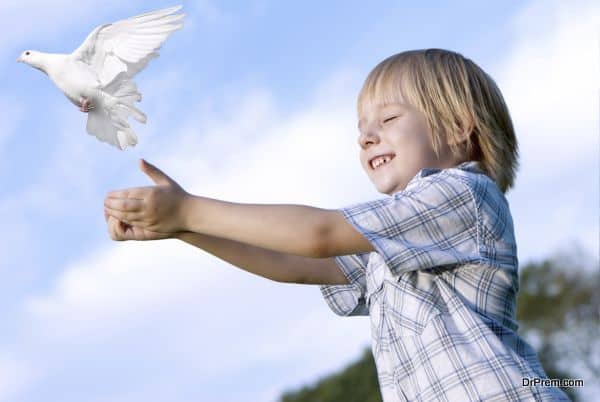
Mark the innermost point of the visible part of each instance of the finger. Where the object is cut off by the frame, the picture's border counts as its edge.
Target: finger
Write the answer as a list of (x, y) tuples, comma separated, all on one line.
[(133, 193), (124, 228), (126, 205), (120, 230), (157, 175), (116, 233), (127, 217), (113, 231)]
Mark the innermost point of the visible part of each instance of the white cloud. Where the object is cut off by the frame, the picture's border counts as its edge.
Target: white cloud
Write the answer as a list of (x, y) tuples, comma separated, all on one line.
[(550, 82), (14, 377), (183, 311), (36, 21), (173, 291), (129, 297)]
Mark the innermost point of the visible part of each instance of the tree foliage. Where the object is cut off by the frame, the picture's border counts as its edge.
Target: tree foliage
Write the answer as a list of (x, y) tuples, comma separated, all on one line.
[(356, 383), (558, 308)]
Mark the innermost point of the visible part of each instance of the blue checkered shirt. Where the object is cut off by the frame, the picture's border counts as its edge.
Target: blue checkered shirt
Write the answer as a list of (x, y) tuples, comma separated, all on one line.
[(440, 290)]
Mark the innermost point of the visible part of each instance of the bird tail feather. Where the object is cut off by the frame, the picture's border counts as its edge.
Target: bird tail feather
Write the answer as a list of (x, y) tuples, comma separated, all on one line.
[(109, 121), (125, 91)]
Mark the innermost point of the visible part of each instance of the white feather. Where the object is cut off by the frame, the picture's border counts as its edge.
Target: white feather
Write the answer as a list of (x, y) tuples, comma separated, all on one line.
[(102, 69), (127, 45)]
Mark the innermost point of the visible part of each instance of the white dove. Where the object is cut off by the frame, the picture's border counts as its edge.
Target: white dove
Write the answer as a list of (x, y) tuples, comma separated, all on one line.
[(98, 76)]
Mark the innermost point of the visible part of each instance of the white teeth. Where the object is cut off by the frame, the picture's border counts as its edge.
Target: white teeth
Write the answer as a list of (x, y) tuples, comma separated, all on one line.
[(380, 160)]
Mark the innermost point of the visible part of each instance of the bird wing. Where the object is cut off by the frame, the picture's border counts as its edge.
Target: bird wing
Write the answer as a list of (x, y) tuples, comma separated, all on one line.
[(127, 45)]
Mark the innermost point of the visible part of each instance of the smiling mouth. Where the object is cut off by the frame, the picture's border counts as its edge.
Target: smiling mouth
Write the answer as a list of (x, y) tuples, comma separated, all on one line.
[(381, 160)]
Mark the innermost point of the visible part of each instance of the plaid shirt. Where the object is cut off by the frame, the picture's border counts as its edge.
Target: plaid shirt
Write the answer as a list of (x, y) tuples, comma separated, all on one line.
[(440, 291)]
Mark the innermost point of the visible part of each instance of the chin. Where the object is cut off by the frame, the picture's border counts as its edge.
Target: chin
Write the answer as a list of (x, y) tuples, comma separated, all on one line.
[(385, 188), (389, 188), (387, 184)]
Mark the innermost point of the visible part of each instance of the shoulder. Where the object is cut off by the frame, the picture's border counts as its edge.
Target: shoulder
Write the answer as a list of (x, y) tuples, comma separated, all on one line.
[(465, 177), (494, 218), (465, 187), (438, 187)]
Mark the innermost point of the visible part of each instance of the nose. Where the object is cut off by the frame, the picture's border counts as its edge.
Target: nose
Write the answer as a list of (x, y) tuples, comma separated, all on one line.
[(368, 137)]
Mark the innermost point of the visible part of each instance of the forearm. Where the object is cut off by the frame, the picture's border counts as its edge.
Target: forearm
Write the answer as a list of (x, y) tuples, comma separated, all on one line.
[(294, 229), (269, 264)]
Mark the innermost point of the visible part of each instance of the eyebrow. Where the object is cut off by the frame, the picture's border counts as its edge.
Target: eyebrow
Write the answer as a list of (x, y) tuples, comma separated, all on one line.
[(395, 104)]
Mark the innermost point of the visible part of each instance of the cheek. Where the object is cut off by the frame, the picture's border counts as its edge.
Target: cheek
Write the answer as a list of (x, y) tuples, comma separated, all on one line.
[(412, 144), (362, 160)]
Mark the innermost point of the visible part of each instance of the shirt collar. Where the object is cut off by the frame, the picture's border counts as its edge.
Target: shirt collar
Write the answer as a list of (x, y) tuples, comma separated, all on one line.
[(469, 166)]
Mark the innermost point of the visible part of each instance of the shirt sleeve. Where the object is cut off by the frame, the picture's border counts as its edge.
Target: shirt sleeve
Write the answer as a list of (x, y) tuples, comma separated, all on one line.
[(432, 223), (348, 300)]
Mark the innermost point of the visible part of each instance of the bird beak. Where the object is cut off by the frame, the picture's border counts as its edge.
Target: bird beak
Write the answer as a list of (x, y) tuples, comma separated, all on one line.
[(19, 59)]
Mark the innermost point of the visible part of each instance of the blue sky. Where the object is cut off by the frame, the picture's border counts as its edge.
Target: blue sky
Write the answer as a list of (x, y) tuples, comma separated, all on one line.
[(252, 102)]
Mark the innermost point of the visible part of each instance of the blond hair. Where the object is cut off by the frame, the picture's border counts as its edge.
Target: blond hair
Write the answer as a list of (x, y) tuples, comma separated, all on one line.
[(455, 95)]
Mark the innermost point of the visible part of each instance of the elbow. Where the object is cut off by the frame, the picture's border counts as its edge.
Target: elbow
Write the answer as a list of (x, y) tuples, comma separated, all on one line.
[(320, 250), (321, 242)]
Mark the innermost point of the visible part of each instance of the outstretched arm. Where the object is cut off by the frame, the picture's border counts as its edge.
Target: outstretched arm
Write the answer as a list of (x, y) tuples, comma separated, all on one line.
[(293, 229), (269, 264)]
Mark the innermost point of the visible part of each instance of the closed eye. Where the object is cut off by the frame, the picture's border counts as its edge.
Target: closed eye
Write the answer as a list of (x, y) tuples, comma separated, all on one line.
[(389, 119)]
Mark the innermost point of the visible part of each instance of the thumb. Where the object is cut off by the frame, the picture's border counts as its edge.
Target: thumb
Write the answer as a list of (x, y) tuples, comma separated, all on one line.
[(157, 175)]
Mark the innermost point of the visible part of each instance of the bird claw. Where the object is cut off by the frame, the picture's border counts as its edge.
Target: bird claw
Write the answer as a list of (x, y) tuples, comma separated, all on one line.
[(85, 105)]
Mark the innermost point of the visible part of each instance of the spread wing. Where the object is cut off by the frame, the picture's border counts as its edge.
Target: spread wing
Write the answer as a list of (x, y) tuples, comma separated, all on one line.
[(127, 45)]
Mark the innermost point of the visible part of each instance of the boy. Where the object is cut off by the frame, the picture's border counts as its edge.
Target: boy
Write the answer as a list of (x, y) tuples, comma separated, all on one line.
[(434, 264)]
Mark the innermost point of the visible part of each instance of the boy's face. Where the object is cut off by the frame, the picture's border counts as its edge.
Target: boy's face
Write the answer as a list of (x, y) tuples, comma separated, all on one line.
[(395, 145)]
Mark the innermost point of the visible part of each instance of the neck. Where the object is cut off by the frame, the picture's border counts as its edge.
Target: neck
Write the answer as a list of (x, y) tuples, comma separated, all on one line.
[(47, 61)]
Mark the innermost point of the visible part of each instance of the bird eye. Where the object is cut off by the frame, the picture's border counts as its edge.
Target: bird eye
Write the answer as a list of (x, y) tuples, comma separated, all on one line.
[(27, 53)]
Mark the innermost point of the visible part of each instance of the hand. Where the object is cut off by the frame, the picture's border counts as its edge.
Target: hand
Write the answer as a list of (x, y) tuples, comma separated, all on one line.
[(121, 231), (152, 209)]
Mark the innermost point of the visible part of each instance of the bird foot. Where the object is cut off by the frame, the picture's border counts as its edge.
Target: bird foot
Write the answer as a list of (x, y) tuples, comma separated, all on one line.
[(85, 105)]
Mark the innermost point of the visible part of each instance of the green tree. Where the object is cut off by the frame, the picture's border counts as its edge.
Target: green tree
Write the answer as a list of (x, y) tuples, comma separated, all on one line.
[(356, 383), (558, 311)]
